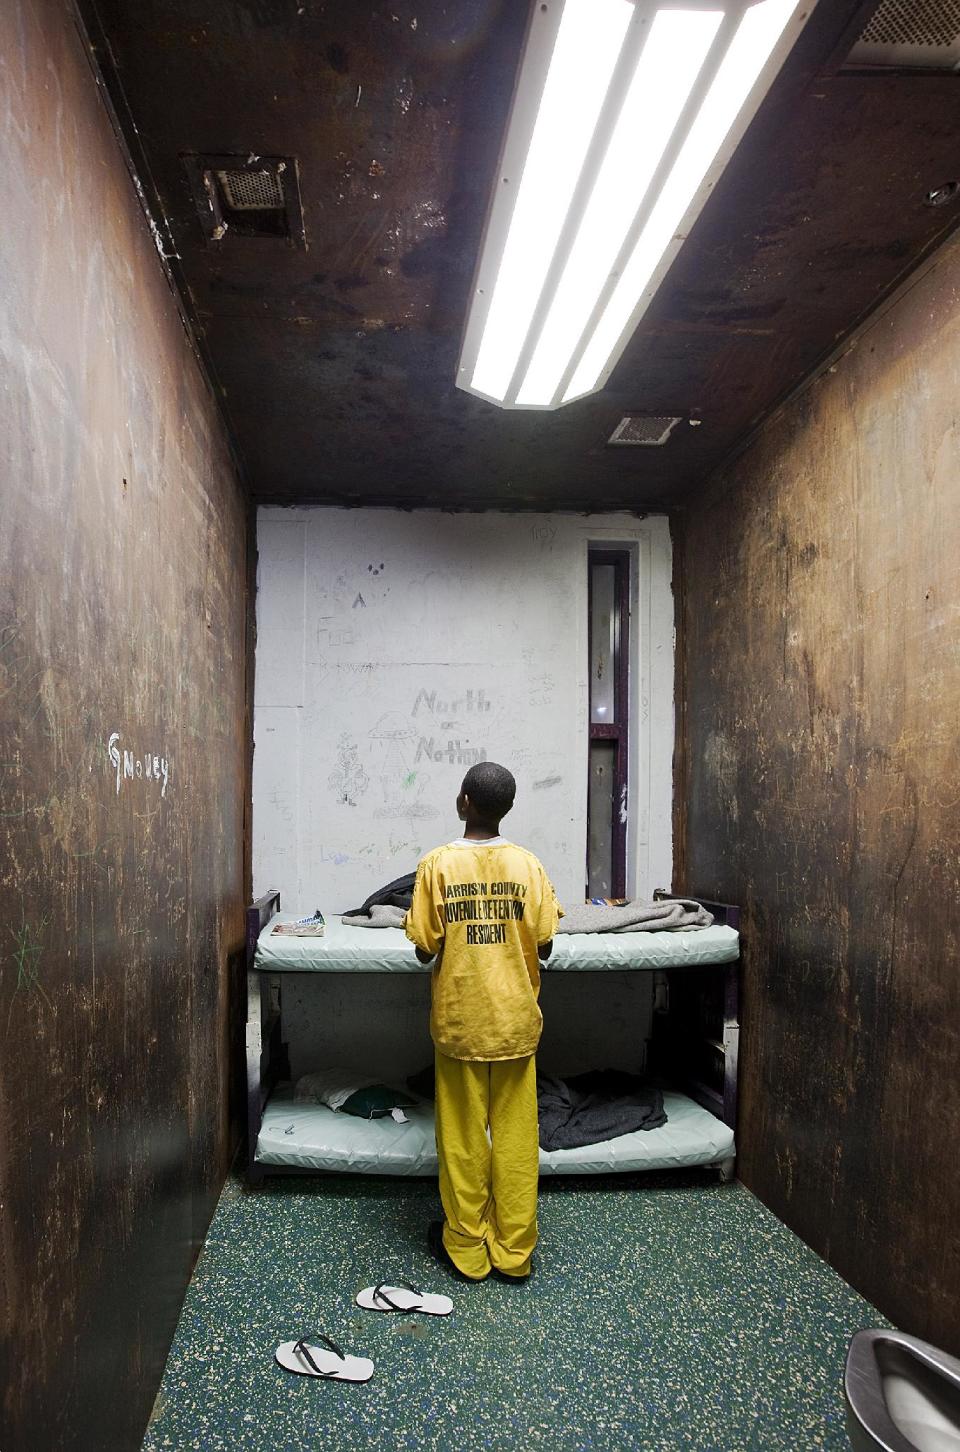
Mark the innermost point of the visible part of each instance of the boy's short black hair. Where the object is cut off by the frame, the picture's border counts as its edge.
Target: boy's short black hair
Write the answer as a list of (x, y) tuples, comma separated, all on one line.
[(491, 789)]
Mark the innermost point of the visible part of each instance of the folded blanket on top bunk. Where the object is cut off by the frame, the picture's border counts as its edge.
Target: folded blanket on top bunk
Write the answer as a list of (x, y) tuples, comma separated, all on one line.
[(631, 917), (601, 1104), (377, 915), (636, 917)]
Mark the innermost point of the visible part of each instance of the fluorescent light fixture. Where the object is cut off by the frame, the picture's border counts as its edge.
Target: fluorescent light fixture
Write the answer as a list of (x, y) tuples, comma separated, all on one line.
[(624, 116)]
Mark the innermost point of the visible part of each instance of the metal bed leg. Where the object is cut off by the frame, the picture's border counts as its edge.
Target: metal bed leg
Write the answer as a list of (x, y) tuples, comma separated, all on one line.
[(255, 1089), (258, 1031)]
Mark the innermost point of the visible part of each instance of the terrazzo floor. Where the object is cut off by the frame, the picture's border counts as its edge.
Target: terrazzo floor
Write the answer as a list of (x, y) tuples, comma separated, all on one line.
[(667, 1314)]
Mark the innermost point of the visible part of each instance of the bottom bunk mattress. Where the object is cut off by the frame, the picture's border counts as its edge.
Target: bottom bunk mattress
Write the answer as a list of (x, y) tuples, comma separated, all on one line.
[(313, 1137)]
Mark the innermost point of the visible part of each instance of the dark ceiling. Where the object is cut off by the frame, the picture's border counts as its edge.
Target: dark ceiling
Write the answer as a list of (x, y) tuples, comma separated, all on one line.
[(336, 363)]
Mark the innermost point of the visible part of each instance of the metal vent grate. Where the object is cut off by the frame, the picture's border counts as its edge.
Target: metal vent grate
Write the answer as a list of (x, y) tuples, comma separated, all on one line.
[(911, 33), (641, 428), (246, 196), (914, 22), (251, 191)]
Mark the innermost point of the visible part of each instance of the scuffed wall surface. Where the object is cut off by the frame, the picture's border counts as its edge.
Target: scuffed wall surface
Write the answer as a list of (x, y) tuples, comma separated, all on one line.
[(122, 768), (395, 649), (820, 786)]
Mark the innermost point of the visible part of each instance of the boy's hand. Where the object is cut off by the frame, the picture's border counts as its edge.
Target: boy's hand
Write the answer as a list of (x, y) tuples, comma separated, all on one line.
[(424, 957), (544, 950)]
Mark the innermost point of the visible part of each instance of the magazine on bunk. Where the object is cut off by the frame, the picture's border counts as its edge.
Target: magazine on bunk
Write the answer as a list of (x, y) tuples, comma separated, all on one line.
[(313, 927)]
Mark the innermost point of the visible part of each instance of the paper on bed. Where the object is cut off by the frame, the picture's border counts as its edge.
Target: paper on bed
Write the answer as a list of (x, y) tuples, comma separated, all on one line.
[(313, 927)]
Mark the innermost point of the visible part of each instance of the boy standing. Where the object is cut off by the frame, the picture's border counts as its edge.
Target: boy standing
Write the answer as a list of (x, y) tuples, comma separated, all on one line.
[(485, 910)]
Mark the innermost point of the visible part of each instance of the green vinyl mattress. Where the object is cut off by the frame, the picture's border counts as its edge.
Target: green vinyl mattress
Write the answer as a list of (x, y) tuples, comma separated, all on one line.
[(313, 1137), (346, 949)]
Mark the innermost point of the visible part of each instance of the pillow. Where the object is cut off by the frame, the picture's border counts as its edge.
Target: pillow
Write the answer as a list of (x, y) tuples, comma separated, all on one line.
[(376, 1101), (345, 1091)]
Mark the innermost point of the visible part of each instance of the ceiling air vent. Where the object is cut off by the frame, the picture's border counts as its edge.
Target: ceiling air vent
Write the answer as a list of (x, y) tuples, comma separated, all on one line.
[(911, 35), (247, 196), (251, 191), (643, 428)]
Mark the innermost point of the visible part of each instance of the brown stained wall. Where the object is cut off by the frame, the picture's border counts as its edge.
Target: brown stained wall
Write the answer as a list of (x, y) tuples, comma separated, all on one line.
[(819, 784), (122, 610)]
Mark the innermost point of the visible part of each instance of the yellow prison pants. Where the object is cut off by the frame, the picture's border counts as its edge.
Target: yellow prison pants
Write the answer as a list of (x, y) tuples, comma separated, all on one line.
[(488, 1186)]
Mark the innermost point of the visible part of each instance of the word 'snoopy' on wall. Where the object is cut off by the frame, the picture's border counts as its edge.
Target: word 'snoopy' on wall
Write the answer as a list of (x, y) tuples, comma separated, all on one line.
[(156, 768)]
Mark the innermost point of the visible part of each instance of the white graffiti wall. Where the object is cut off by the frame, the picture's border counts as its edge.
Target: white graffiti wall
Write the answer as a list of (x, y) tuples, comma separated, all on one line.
[(395, 649)]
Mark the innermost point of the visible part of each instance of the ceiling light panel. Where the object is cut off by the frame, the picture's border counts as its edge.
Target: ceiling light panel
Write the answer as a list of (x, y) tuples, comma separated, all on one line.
[(663, 79), (623, 117), (544, 176)]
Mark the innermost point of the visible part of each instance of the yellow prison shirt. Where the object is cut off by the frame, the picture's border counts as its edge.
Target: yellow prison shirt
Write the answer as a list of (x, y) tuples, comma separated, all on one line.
[(485, 908)]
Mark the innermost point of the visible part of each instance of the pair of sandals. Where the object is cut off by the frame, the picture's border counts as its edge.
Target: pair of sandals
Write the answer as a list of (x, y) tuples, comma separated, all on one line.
[(321, 1357)]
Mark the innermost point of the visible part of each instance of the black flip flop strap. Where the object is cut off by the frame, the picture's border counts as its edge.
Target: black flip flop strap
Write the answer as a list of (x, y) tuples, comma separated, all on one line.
[(304, 1350), (380, 1295)]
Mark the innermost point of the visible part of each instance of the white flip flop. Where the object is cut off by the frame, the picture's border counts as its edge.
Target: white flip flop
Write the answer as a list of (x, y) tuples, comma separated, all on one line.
[(308, 1357), (402, 1296)]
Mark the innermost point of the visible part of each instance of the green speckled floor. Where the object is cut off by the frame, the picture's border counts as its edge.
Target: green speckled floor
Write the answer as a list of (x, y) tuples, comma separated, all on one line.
[(667, 1314)]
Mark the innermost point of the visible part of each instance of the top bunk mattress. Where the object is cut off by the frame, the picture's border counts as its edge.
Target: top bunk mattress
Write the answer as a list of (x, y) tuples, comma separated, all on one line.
[(346, 949)]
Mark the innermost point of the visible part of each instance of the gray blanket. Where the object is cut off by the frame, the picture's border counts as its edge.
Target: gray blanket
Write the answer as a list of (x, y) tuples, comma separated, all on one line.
[(636, 917), (588, 1108), (633, 917), (381, 915), (585, 1109)]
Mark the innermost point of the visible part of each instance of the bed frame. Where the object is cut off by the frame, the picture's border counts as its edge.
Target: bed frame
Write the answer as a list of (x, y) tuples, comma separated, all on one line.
[(694, 1043), (267, 1058), (696, 1038)]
